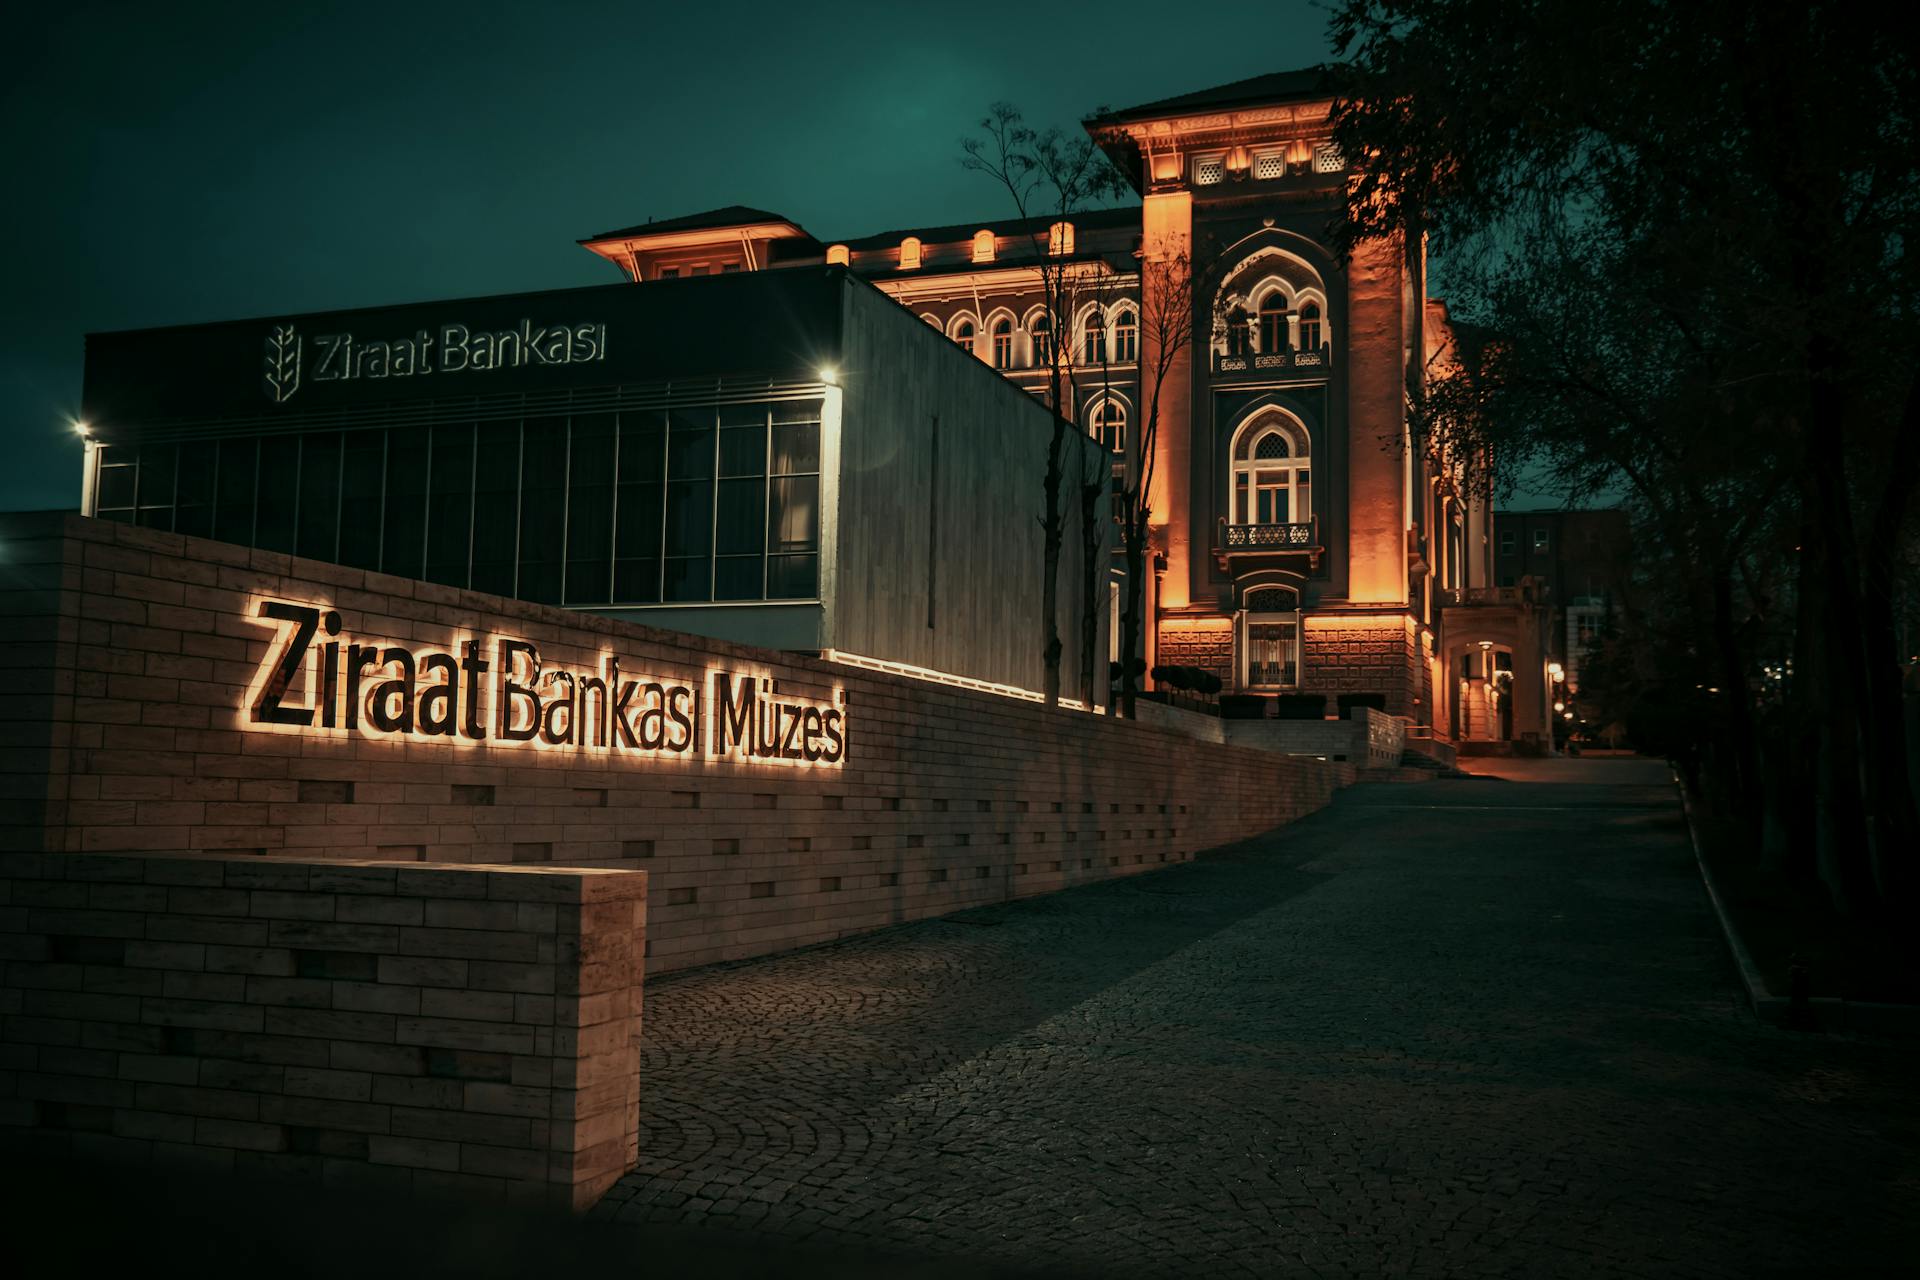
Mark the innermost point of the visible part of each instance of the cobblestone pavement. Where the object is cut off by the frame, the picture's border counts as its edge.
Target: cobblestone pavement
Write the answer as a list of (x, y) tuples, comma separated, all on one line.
[(1478, 1027)]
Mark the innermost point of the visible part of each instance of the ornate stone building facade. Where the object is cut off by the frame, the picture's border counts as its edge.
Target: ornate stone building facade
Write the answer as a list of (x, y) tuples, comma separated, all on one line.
[(1301, 542)]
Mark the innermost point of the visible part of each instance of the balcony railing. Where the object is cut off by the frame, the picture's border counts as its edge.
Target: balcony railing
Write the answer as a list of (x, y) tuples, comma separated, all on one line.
[(1263, 537), (1272, 361)]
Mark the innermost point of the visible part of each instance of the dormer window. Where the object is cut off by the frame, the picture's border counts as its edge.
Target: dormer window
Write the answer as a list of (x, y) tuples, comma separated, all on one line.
[(1209, 170), (910, 253), (983, 245), (837, 255), (1060, 239)]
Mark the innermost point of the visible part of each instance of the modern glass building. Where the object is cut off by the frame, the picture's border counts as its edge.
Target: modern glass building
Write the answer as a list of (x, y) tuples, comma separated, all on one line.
[(718, 456)]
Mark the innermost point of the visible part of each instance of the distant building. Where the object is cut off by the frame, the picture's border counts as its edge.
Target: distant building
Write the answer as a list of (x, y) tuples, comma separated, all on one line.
[(1580, 558)]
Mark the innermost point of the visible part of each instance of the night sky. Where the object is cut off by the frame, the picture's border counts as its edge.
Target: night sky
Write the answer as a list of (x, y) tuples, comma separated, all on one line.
[(178, 164)]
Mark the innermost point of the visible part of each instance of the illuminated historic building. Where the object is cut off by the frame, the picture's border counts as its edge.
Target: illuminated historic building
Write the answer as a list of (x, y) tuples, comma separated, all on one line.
[(1301, 544)]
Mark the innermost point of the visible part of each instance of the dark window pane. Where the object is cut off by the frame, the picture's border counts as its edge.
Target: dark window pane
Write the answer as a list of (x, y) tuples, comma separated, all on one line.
[(154, 517), (689, 578), (123, 515), (156, 475), (743, 440), (793, 577), (496, 509), (590, 511), (319, 495), (793, 514), (796, 411), (741, 525), (279, 493), (690, 444), (115, 484), (689, 517), (543, 514), (450, 504), (233, 513), (193, 494), (737, 577), (636, 581), (363, 468), (404, 542), (796, 448)]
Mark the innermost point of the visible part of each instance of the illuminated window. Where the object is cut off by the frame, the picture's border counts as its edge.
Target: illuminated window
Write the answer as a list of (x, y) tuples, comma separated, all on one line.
[(910, 253), (1003, 343), (1208, 170), (1040, 329), (1309, 326), (963, 335), (1273, 323), (1270, 639), (1126, 338), (983, 246), (1093, 340), (1271, 164), (1060, 238), (837, 255), (1271, 480), (1108, 424), (1327, 159)]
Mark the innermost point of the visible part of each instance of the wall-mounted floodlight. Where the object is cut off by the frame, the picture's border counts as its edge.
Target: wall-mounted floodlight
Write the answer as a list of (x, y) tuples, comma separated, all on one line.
[(829, 375), (81, 429)]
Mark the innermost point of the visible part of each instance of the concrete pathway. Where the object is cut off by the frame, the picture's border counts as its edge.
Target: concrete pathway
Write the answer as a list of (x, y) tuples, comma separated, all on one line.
[(1477, 1027)]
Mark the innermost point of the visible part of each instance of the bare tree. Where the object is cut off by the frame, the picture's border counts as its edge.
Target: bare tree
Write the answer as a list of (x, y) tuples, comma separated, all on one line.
[(1049, 176), (1166, 333)]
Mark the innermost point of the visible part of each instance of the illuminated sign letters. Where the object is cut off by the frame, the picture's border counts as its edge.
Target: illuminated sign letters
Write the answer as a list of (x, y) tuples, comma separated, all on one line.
[(448, 348), (496, 690)]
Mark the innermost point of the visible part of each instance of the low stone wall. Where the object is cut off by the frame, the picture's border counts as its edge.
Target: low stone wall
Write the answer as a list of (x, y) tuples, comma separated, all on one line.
[(432, 1028), (1366, 739), (131, 660)]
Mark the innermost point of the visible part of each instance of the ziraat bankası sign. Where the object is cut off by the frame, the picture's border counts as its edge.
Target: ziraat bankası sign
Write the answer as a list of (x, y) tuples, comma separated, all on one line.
[(491, 689)]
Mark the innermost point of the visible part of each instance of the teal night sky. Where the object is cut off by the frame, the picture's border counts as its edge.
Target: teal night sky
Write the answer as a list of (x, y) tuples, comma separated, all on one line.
[(178, 164)]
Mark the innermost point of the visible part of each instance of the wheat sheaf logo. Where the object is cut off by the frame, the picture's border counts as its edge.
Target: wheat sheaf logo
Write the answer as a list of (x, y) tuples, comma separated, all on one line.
[(281, 370)]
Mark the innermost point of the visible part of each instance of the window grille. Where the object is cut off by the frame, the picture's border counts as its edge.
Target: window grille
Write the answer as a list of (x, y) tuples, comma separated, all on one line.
[(1271, 165), (1209, 170), (1327, 159)]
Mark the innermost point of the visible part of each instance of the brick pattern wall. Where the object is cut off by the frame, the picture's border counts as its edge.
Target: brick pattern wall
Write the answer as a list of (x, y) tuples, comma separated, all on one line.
[(1204, 643), (1362, 656), (949, 798), (396, 1028)]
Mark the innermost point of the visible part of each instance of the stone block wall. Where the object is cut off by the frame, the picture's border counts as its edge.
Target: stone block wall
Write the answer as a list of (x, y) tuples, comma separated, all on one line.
[(1364, 655), (432, 1029), (1206, 643), (128, 655), (1367, 739)]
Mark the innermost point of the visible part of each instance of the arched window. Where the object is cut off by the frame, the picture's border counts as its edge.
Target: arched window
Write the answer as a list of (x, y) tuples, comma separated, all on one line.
[(1108, 424), (1093, 339), (963, 335), (1041, 331), (837, 255), (1237, 322), (910, 253), (1270, 639), (1273, 324), (1309, 326), (1270, 474), (1003, 343), (983, 246), (1126, 338)]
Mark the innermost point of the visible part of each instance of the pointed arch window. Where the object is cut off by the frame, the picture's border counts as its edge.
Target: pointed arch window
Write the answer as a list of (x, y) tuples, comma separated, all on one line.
[(1093, 340), (1237, 331), (963, 335), (1271, 476), (1126, 337), (1273, 324), (1041, 331), (1310, 326), (1270, 639), (1108, 424), (1003, 343)]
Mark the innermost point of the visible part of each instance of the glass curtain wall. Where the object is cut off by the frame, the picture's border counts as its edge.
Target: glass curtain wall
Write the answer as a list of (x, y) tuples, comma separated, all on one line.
[(684, 506)]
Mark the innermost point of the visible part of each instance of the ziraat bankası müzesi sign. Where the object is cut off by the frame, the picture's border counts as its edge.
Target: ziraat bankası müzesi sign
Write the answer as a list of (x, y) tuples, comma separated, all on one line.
[(492, 689)]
